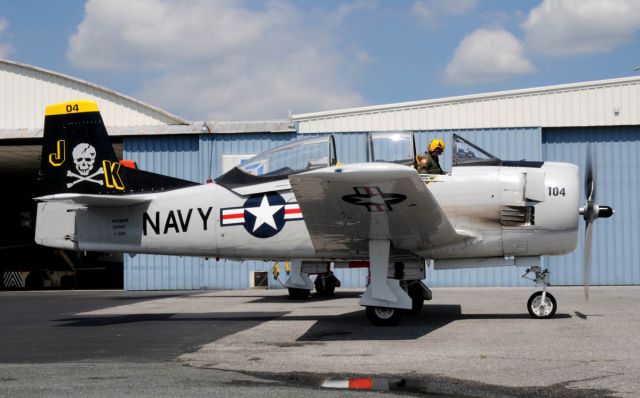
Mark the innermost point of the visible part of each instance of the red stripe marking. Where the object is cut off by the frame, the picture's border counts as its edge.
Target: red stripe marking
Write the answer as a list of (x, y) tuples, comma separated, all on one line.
[(361, 384), (292, 211), (230, 216), (358, 264)]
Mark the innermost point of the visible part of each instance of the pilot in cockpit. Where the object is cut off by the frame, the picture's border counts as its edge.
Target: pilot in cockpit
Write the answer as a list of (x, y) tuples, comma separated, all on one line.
[(428, 163)]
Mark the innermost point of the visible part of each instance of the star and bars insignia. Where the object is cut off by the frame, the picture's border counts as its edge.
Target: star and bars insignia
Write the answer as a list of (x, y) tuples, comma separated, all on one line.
[(263, 215), (374, 199)]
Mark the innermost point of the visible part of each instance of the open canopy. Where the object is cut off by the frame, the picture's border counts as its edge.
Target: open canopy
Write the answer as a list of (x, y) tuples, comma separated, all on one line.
[(317, 152)]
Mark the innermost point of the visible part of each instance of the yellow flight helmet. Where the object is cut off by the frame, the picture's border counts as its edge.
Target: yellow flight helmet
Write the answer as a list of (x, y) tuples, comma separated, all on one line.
[(436, 144)]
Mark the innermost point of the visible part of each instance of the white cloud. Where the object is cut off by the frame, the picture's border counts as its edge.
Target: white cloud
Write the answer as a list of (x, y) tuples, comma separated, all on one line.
[(565, 27), (241, 88), (487, 56), (345, 9), (429, 11), (5, 48), (222, 59)]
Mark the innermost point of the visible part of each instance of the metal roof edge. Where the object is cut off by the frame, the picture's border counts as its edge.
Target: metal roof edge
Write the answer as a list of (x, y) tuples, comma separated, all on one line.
[(275, 126), (462, 98), (103, 89), (240, 127)]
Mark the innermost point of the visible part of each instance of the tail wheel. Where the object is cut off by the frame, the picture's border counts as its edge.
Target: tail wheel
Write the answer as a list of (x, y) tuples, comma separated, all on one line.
[(540, 309), (383, 316)]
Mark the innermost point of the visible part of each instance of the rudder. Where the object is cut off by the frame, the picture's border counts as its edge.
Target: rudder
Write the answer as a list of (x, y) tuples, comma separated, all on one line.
[(77, 156)]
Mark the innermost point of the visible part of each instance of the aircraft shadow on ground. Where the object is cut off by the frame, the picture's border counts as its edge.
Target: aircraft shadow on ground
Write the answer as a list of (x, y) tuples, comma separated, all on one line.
[(107, 320), (351, 326), (148, 297), (354, 326), (315, 298)]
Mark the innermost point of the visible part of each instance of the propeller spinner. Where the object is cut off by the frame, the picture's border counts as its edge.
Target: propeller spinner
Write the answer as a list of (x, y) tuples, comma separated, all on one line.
[(590, 212)]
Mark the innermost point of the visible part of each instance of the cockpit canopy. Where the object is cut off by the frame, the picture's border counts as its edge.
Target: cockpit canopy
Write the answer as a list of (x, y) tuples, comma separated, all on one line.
[(280, 162), (392, 147), (312, 153), (467, 154), (295, 157)]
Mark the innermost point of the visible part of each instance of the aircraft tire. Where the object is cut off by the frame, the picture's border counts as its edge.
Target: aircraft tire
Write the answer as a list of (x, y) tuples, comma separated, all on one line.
[(326, 287), (417, 298), (381, 316), (535, 307), (299, 294)]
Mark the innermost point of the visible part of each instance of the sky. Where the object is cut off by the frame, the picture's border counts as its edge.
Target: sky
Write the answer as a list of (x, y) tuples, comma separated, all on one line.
[(257, 60)]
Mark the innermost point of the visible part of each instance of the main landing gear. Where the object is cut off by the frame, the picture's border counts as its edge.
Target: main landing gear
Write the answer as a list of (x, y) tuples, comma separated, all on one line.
[(300, 285), (417, 291), (542, 304), (395, 288)]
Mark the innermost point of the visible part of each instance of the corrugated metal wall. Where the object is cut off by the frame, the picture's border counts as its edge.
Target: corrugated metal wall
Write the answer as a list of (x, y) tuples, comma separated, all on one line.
[(175, 156), (192, 158), (616, 248), (599, 103)]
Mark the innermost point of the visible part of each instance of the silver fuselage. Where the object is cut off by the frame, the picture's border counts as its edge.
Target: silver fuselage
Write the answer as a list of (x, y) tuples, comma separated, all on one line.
[(506, 211)]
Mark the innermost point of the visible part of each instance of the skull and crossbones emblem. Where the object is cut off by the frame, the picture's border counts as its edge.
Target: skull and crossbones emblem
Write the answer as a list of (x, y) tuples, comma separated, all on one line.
[(84, 157)]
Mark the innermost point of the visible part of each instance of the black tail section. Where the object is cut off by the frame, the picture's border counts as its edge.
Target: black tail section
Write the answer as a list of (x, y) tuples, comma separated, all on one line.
[(77, 156)]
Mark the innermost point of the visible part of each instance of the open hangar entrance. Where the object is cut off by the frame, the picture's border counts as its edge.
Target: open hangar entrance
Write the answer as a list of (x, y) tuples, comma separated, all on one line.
[(27, 90), (23, 263)]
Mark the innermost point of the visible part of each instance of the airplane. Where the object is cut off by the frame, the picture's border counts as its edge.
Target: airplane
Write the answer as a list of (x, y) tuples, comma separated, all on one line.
[(298, 203)]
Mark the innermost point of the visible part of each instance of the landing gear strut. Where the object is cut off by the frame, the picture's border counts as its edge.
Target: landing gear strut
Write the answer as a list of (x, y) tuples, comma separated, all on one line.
[(542, 304)]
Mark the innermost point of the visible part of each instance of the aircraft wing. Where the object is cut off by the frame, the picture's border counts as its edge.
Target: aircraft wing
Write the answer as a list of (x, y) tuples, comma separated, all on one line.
[(346, 206)]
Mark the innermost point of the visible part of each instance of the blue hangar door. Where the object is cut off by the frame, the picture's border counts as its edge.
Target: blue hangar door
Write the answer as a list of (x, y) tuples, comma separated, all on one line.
[(616, 244)]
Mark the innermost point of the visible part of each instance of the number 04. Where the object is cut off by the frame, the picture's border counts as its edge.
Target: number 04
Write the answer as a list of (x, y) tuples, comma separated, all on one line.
[(71, 108)]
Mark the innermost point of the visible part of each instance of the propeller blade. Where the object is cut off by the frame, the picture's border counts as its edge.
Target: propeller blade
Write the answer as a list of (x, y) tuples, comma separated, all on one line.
[(590, 177), (586, 257)]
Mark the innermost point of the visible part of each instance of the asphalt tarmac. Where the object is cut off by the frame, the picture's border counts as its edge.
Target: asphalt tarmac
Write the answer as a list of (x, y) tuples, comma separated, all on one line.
[(466, 342)]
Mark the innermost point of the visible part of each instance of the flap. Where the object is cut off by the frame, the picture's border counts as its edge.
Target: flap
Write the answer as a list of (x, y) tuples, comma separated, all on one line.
[(346, 206)]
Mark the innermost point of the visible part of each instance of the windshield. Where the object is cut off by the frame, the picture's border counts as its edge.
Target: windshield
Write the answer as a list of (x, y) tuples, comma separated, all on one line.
[(291, 158), (466, 153), (392, 147)]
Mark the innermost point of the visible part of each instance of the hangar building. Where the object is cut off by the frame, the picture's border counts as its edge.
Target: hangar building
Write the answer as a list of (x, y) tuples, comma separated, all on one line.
[(546, 123)]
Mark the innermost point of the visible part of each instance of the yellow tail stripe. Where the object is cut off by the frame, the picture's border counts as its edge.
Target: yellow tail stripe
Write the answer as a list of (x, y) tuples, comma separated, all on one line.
[(64, 108)]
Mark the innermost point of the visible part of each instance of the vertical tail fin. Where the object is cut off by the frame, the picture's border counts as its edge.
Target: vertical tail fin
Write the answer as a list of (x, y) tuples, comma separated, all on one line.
[(77, 156)]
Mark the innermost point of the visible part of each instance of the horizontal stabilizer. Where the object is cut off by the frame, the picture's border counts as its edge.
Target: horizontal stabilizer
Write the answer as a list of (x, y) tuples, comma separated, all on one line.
[(97, 200)]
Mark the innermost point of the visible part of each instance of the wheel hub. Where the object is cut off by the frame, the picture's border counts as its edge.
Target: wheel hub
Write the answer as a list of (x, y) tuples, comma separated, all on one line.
[(384, 313), (541, 309)]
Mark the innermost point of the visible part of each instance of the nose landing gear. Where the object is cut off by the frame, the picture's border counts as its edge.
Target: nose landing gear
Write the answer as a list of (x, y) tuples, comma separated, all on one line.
[(542, 304)]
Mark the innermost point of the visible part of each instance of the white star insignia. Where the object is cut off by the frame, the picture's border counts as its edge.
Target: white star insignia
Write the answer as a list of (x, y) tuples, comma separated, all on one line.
[(264, 214)]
